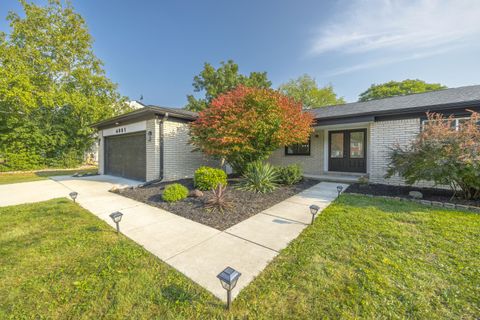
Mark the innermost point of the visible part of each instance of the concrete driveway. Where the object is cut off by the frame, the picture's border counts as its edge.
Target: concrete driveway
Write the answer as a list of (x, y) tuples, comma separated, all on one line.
[(198, 251)]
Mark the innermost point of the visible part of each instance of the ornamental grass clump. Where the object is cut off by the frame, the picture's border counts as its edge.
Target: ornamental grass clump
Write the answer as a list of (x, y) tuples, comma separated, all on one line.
[(174, 192), (259, 177), (219, 200), (447, 152)]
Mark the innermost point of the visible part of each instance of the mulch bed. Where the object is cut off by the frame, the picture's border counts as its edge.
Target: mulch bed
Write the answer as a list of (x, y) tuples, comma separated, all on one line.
[(431, 194), (245, 203)]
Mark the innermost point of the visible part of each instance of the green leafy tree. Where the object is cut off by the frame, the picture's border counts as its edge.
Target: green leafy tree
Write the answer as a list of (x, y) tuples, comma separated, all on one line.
[(305, 90), (395, 88), (52, 88), (223, 79)]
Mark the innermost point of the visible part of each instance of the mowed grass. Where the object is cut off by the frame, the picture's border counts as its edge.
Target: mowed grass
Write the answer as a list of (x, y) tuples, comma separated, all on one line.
[(363, 258), (7, 178)]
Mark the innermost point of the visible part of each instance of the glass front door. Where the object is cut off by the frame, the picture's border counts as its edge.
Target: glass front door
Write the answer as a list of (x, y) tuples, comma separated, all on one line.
[(347, 150)]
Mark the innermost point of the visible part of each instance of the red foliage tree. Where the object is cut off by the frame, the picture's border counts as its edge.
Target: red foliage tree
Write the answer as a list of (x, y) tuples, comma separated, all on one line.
[(248, 124)]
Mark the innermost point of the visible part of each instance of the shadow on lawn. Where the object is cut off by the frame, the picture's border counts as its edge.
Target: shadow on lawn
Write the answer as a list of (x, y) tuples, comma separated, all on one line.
[(386, 205)]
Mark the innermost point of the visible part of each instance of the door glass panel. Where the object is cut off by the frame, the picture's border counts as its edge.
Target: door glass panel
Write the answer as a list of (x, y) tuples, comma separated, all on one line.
[(357, 145), (337, 145)]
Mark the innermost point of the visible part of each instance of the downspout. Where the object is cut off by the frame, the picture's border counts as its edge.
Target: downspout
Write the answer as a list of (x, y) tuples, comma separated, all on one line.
[(162, 148)]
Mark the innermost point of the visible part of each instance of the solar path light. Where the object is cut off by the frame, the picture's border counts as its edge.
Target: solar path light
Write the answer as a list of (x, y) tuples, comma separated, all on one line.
[(339, 190), (228, 278), (314, 210), (73, 195), (117, 217)]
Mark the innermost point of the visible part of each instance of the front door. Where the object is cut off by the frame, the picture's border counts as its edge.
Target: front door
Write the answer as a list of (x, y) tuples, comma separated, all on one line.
[(347, 150)]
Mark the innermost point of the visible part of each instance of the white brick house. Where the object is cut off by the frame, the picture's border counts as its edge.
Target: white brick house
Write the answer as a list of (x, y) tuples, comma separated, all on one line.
[(354, 138)]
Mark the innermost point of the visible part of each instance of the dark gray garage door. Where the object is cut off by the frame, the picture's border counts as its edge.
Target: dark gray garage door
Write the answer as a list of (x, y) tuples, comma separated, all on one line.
[(125, 156)]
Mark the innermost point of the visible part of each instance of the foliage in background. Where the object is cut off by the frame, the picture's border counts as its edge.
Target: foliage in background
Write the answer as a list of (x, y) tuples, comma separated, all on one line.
[(223, 79), (206, 178), (305, 90), (442, 154), (259, 177), (248, 124), (290, 174), (52, 88), (395, 88), (174, 192)]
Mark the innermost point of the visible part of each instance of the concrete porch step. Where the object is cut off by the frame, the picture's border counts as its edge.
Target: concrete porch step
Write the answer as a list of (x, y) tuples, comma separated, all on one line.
[(336, 177)]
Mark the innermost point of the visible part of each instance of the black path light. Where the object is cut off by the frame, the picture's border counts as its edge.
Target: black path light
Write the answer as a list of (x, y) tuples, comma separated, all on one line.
[(228, 279), (73, 195), (117, 217), (339, 190), (314, 210)]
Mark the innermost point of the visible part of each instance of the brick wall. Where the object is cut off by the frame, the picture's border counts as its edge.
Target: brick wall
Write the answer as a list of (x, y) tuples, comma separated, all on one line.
[(101, 155), (383, 136), (153, 150), (179, 160), (312, 164)]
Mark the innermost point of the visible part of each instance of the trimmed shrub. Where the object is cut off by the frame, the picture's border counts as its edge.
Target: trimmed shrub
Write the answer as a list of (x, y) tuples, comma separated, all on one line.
[(174, 192), (207, 178), (290, 174), (259, 177)]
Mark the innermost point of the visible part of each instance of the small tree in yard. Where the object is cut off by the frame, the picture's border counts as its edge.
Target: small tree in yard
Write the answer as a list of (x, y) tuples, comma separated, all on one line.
[(248, 124), (443, 154)]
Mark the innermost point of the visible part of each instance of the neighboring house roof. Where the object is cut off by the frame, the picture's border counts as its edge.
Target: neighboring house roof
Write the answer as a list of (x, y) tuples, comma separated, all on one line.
[(419, 102)]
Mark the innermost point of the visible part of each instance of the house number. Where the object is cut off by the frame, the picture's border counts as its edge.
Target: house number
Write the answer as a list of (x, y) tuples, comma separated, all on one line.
[(121, 130)]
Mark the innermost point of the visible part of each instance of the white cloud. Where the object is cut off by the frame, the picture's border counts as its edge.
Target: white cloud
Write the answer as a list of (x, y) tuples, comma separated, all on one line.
[(399, 27), (386, 61)]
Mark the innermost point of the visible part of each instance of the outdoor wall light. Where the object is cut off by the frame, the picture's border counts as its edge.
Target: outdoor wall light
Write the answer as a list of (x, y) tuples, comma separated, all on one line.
[(339, 190), (228, 279), (149, 135), (117, 217), (73, 195), (314, 210)]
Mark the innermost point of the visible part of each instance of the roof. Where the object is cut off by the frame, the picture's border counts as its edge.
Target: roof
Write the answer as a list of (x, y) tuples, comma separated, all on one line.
[(468, 96), (176, 111), (418, 102), (147, 111)]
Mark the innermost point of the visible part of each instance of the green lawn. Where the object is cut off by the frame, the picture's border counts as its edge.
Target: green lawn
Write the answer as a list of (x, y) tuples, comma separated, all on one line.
[(363, 258), (6, 178)]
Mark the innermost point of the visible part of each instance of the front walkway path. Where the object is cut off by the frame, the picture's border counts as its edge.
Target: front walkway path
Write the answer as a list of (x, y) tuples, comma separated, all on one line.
[(198, 251)]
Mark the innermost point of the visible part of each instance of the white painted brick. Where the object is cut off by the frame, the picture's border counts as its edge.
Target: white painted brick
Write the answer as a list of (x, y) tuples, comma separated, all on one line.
[(383, 136), (312, 164), (180, 161)]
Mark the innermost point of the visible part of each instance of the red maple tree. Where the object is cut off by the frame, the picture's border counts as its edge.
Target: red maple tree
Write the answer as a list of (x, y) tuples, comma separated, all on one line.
[(248, 124)]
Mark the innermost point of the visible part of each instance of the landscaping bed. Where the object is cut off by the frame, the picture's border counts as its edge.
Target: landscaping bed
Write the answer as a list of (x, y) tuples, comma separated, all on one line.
[(244, 203), (431, 194)]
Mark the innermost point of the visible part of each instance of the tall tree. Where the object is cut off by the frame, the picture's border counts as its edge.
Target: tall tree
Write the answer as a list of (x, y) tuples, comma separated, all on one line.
[(305, 90), (395, 88), (248, 124), (52, 87), (217, 81)]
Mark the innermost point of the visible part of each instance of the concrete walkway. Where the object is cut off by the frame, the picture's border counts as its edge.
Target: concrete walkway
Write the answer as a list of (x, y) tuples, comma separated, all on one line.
[(198, 251)]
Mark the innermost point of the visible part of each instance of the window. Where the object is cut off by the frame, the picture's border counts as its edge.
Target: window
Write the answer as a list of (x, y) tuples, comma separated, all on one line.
[(299, 149), (356, 145), (455, 123), (336, 145)]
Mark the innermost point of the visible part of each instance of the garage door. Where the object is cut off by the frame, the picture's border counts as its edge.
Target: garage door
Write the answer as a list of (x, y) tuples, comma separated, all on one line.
[(125, 156)]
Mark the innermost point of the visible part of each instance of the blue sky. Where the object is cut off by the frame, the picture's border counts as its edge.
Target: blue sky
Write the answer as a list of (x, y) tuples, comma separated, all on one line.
[(155, 48)]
